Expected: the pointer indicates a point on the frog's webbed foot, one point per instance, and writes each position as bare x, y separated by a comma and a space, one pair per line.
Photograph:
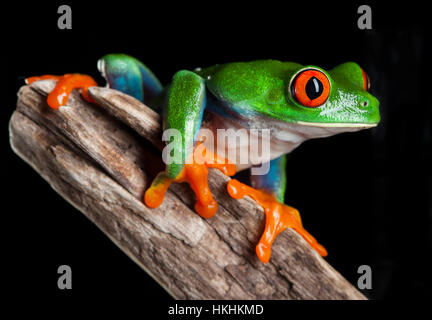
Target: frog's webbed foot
278, 217
65, 84
195, 173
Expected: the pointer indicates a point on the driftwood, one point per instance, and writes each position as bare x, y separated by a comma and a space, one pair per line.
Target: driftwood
102, 167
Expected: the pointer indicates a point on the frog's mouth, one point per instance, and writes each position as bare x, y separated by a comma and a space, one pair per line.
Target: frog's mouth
337, 125
301, 130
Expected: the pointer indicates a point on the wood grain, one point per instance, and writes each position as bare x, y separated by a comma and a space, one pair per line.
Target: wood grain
102, 158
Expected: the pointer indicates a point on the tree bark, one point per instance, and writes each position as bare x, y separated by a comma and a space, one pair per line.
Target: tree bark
102, 158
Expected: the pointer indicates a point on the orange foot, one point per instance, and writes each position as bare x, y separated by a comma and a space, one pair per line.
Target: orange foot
195, 174
278, 218
65, 84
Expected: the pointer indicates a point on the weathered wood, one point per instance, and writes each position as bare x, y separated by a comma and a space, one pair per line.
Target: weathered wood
102, 167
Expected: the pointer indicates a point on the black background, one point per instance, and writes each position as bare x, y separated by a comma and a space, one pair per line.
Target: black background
366, 196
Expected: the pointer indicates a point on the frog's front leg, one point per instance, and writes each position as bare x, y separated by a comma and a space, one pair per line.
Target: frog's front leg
183, 110
268, 191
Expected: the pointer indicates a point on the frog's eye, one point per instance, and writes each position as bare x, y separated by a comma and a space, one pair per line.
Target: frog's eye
310, 88
366, 81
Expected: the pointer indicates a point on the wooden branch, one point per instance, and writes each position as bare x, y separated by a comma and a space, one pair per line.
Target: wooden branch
102, 167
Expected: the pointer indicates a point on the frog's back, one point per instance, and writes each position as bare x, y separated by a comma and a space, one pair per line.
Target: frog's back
243, 81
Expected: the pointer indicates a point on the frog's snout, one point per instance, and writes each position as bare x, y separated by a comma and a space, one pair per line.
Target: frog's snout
370, 104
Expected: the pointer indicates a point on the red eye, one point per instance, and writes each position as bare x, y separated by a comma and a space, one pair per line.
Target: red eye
310, 88
366, 81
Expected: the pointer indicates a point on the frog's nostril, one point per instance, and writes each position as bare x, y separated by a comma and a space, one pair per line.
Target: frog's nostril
364, 103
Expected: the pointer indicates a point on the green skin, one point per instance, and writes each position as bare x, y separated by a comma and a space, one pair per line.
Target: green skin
263, 87
248, 91
257, 95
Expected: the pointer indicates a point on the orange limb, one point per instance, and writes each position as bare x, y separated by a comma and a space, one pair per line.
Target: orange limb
154, 195
278, 217
65, 84
195, 173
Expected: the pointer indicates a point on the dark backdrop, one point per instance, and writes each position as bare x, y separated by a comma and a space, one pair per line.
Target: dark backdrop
372, 203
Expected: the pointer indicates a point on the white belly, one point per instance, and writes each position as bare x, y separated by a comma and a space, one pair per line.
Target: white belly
245, 147
266, 139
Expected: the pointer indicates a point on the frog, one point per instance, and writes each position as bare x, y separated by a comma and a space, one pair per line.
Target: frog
293, 102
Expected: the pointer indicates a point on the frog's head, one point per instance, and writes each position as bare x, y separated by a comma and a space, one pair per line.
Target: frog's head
319, 103
338, 98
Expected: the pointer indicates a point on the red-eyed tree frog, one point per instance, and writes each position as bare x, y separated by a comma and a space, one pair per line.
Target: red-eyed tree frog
293, 102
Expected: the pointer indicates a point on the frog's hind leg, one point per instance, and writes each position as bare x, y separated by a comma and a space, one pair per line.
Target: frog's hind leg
130, 76
65, 84
121, 71
268, 191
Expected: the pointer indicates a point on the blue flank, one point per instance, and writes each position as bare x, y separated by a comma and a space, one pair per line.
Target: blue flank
152, 86
199, 119
274, 181
128, 83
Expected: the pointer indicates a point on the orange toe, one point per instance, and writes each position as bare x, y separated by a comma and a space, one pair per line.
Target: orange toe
154, 195
278, 217
65, 84
197, 177
195, 173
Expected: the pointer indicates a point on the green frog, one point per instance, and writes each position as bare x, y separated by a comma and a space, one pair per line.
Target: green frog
292, 102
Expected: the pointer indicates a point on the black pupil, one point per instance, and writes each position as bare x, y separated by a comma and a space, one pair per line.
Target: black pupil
314, 88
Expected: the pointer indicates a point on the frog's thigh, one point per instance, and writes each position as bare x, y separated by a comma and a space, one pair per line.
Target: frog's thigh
130, 76
274, 182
